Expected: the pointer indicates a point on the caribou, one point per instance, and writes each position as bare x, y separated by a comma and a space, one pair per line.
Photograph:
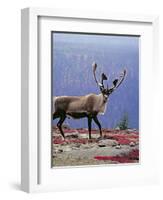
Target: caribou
89, 106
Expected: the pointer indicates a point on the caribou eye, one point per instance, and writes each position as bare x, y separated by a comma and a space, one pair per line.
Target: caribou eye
115, 82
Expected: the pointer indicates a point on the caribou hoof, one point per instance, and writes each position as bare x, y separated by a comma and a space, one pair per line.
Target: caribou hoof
63, 138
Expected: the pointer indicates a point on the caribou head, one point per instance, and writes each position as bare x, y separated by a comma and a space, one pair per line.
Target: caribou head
106, 91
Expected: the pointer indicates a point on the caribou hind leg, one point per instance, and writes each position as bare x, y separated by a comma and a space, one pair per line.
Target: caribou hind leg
59, 124
55, 115
89, 126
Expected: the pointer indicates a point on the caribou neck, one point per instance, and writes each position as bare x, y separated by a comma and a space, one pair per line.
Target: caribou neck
104, 97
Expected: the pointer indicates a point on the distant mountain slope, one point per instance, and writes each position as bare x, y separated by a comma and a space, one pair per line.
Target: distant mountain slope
73, 55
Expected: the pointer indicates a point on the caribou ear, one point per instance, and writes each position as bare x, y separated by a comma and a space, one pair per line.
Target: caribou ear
115, 82
103, 76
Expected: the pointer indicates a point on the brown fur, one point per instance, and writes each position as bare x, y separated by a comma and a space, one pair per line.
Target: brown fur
75, 105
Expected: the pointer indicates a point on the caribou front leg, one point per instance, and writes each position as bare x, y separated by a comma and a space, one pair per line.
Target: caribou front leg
98, 124
89, 125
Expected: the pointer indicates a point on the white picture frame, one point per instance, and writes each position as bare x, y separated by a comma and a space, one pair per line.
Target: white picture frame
36, 171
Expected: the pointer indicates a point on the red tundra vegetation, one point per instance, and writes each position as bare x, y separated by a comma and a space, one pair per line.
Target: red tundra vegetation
130, 158
117, 146
119, 136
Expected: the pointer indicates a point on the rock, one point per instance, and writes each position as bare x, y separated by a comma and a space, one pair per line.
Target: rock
135, 130
77, 145
57, 151
132, 144
118, 146
102, 145
72, 135
132, 130
117, 128
67, 148
107, 142
83, 135
88, 146
60, 150
75, 148
85, 146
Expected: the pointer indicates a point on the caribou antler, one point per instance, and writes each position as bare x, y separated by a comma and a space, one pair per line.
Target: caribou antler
117, 82
94, 65
122, 76
103, 76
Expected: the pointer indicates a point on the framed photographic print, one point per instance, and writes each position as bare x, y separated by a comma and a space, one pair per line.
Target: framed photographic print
87, 90
118, 132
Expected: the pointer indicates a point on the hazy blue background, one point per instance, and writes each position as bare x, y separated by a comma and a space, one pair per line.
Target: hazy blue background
73, 55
